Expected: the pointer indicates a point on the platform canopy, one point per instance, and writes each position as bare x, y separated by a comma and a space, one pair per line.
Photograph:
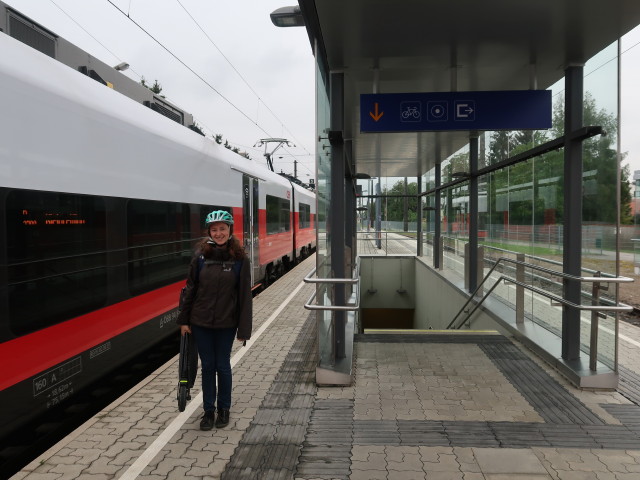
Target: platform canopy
392, 46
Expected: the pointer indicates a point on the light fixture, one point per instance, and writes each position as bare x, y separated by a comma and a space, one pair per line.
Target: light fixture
122, 66
287, 17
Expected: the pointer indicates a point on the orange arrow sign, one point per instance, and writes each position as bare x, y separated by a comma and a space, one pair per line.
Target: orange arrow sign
377, 116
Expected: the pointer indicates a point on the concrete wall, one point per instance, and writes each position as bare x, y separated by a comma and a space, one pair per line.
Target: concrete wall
438, 300
435, 299
381, 278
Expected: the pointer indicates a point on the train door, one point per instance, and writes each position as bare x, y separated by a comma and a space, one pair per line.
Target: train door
250, 190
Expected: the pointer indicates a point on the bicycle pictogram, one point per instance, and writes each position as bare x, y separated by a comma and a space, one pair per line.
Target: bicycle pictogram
410, 111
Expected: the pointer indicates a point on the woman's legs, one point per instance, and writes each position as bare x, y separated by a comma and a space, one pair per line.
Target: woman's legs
214, 347
204, 339
223, 343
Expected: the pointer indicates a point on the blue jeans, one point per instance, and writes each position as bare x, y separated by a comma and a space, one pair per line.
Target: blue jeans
214, 348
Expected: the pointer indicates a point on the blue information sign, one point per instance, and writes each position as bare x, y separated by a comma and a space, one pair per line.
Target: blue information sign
423, 112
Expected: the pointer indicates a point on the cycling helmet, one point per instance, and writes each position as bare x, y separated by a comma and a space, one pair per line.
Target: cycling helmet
219, 216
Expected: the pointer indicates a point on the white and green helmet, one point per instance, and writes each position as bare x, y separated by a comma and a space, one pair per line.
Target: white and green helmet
218, 216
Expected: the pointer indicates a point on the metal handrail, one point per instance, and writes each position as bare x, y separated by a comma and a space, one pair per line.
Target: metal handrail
547, 260
377, 237
355, 280
593, 349
625, 308
308, 278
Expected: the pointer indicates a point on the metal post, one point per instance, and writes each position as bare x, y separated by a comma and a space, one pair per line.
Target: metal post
480, 268
419, 246
595, 316
351, 219
378, 216
520, 290
572, 245
467, 268
405, 207
473, 213
437, 234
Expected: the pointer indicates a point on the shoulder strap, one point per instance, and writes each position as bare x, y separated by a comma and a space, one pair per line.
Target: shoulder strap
237, 266
199, 266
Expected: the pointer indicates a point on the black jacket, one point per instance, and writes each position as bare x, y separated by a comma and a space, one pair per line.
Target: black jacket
218, 298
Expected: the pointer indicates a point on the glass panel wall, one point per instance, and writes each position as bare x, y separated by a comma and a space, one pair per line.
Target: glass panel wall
600, 192
323, 172
521, 207
324, 294
387, 225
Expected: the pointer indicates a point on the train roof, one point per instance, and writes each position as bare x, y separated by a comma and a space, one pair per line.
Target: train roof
59, 106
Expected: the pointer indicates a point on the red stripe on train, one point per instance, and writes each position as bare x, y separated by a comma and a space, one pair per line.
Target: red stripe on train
31, 354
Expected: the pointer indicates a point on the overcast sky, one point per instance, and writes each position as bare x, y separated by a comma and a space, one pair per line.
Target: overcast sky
264, 73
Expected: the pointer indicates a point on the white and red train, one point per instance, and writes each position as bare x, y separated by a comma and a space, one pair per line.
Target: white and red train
101, 203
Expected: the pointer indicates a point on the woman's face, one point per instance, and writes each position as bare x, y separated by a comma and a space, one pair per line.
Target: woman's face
219, 232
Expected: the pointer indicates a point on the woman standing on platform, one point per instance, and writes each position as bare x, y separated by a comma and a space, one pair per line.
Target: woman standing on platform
217, 307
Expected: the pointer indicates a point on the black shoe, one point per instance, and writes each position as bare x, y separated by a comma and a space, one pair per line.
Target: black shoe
223, 418
207, 420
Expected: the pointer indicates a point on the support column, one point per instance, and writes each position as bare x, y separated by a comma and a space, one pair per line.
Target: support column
572, 242
419, 233
473, 213
438, 221
337, 219
351, 216
378, 215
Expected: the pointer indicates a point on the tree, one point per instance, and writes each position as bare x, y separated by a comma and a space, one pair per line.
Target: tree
499, 148
156, 88
196, 128
544, 203
395, 205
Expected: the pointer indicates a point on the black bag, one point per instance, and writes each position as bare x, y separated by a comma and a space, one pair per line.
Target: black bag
188, 359
187, 369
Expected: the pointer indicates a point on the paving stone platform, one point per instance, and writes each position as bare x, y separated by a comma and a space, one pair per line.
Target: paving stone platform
472, 406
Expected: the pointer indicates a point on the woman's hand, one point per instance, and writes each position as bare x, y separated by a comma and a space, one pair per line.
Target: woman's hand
185, 329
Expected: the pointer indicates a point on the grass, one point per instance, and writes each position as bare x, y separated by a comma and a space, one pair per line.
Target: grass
528, 249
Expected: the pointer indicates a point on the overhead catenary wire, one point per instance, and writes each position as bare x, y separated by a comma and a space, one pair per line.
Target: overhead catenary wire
233, 105
242, 78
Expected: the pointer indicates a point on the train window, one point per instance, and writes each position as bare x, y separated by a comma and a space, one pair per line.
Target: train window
278, 215
56, 259
304, 216
159, 244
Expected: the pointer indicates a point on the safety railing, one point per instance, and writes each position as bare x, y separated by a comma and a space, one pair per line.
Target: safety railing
335, 327
595, 308
386, 242
355, 280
